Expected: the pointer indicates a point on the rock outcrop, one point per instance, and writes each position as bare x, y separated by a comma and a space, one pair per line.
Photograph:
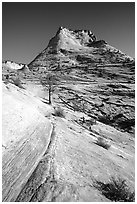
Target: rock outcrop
64, 48
26, 135
13, 65
78, 54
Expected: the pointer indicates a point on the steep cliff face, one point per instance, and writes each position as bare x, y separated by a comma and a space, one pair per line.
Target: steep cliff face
67, 45
68, 39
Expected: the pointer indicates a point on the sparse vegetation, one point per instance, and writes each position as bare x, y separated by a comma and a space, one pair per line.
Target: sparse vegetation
116, 190
101, 142
59, 112
50, 81
87, 122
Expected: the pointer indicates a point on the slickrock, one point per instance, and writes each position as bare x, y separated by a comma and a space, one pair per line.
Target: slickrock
26, 136
67, 171
57, 152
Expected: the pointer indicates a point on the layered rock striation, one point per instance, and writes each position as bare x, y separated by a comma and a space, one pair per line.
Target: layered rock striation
67, 45
58, 152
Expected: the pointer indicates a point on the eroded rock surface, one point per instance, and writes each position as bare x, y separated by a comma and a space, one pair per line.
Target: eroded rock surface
26, 135
58, 159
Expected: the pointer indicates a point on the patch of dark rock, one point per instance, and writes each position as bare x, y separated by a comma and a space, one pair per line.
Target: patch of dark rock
114, 85
97, 44
117, 86
129, 93
106, 119
84, 59
126, 125
53, 52
65, 52
113, 75
104, 99
119, 121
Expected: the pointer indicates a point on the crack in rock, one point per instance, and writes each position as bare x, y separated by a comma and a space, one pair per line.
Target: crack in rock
42, 172
43, 185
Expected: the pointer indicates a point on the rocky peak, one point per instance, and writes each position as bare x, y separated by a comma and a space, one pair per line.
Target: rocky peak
67, 38
81, 34
77, 47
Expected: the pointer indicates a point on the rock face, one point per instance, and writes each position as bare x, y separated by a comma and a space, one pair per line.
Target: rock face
58, 156
26, 135
68, 39
79, 54
14, 65
65, 47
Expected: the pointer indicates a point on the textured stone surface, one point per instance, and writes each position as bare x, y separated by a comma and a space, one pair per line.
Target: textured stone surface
26, 135
67, 45
97, 94
72, 163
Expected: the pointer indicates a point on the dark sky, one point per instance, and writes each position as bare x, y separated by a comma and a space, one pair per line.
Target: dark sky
28, 27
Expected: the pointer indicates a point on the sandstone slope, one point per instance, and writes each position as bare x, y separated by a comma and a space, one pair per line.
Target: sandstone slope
26, 135
96, 93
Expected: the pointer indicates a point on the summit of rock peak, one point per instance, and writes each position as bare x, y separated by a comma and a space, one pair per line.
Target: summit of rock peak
66, 38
